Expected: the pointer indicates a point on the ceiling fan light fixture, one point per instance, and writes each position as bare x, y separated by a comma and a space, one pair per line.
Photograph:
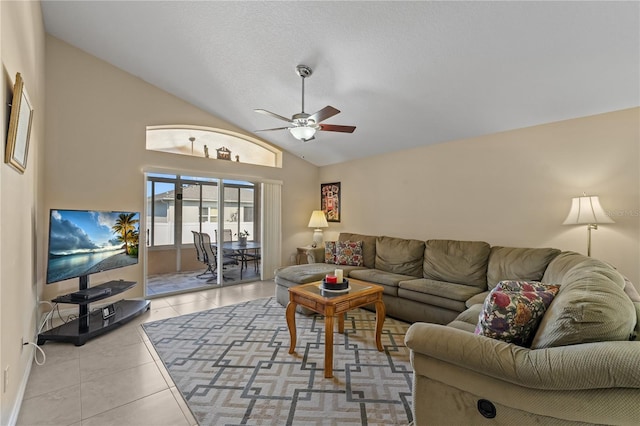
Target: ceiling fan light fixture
303, 133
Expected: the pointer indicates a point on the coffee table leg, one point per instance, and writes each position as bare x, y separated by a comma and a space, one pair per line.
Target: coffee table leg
341, 323
328, 345
291, 324
380, 315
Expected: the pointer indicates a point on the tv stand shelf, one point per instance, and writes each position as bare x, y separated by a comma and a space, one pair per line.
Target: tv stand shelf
117, 286
91, 324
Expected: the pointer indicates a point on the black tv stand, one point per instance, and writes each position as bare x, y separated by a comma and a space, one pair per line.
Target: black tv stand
91, 324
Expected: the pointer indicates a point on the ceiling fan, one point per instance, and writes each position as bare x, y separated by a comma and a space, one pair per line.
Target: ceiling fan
304, 126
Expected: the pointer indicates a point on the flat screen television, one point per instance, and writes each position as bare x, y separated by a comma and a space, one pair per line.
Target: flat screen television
85, 242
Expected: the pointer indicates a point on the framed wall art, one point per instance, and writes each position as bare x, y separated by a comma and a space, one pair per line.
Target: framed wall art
330, 201
20, 119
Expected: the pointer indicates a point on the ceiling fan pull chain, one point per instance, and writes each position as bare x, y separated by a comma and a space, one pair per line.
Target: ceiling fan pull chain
302, 77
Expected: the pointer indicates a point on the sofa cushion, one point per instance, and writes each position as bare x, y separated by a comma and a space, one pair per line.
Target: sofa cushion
468, 319
349, 253
399, 256
461, 262
560, 265
452, 291
368, 247
388, 280
630, 290
515, 263
591, 306
512, 313
302, 274
478, 298
431, 301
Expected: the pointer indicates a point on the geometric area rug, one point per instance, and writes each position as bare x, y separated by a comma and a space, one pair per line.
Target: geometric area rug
232, 366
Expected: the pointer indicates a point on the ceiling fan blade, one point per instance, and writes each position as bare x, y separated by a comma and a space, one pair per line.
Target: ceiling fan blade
323, 114
337, 128
273, 114
268, 130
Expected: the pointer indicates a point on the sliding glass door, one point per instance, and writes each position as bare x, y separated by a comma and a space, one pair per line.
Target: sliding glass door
176, 205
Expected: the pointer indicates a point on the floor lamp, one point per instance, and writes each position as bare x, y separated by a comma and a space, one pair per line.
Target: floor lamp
586, 210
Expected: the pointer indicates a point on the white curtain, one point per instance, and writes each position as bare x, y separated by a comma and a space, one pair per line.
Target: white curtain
271, 228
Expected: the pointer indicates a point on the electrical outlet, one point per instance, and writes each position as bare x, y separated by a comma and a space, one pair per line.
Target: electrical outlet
5, 381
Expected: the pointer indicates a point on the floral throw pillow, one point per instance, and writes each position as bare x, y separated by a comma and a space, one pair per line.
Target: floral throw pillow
330, 252
349, 253
513, 310
509, 285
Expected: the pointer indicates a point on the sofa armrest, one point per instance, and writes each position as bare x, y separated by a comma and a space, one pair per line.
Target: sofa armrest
315, 255
582, 366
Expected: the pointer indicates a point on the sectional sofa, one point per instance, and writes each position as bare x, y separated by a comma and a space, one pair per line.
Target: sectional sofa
580, 365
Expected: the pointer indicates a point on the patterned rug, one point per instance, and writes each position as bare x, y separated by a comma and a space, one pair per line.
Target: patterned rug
232, 366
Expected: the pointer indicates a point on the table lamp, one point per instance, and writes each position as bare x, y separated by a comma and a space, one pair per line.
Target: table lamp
587, 210
318, 220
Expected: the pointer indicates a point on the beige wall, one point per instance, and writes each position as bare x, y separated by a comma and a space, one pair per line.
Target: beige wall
22, 50
95, 151
512, 188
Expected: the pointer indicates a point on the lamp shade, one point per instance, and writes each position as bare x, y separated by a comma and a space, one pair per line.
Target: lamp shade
318, 220
586, 210
303, 133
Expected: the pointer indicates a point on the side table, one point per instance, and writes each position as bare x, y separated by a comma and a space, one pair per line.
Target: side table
302, 255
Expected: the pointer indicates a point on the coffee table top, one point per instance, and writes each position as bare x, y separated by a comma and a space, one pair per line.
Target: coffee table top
357, 288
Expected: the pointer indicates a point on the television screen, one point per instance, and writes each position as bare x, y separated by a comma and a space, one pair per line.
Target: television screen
84, 242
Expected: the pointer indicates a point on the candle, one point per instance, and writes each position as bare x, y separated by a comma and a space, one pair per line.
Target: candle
339, 275
331, 279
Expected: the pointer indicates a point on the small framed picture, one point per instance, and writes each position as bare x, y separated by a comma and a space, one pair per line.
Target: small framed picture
330, 201
19, 127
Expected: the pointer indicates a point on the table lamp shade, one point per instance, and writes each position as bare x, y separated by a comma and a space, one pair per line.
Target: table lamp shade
318, 220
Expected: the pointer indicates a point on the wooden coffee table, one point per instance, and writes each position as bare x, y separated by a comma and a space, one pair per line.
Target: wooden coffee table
311, 296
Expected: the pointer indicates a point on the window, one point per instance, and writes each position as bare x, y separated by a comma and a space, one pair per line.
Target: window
173, 213
160, 211
212, 143
208, 214
248, 213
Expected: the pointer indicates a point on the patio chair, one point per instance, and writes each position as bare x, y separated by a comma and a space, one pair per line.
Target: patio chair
201, 255
211, 253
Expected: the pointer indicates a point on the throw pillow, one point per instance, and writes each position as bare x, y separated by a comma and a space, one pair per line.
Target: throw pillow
511, 285
349, 253
512, 311
330, 252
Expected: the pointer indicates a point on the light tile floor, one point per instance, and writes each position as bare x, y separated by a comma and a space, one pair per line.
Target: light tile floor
118, 379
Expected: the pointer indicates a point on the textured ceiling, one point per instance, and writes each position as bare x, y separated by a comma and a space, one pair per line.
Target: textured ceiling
405, 73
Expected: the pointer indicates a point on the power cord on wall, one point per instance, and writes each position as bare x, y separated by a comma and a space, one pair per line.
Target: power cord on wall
35, 354
48, 318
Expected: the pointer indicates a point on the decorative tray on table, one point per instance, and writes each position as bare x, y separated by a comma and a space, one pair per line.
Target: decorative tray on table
342, 287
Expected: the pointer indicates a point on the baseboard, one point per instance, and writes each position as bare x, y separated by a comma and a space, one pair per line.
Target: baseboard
15, 410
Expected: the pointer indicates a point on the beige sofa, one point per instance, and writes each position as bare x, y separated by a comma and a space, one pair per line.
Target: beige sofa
581, 367
427, 281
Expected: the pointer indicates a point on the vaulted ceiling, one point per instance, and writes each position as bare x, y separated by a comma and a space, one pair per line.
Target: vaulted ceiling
405, 73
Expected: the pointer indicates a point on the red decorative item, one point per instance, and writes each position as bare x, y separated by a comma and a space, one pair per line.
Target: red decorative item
331, 279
